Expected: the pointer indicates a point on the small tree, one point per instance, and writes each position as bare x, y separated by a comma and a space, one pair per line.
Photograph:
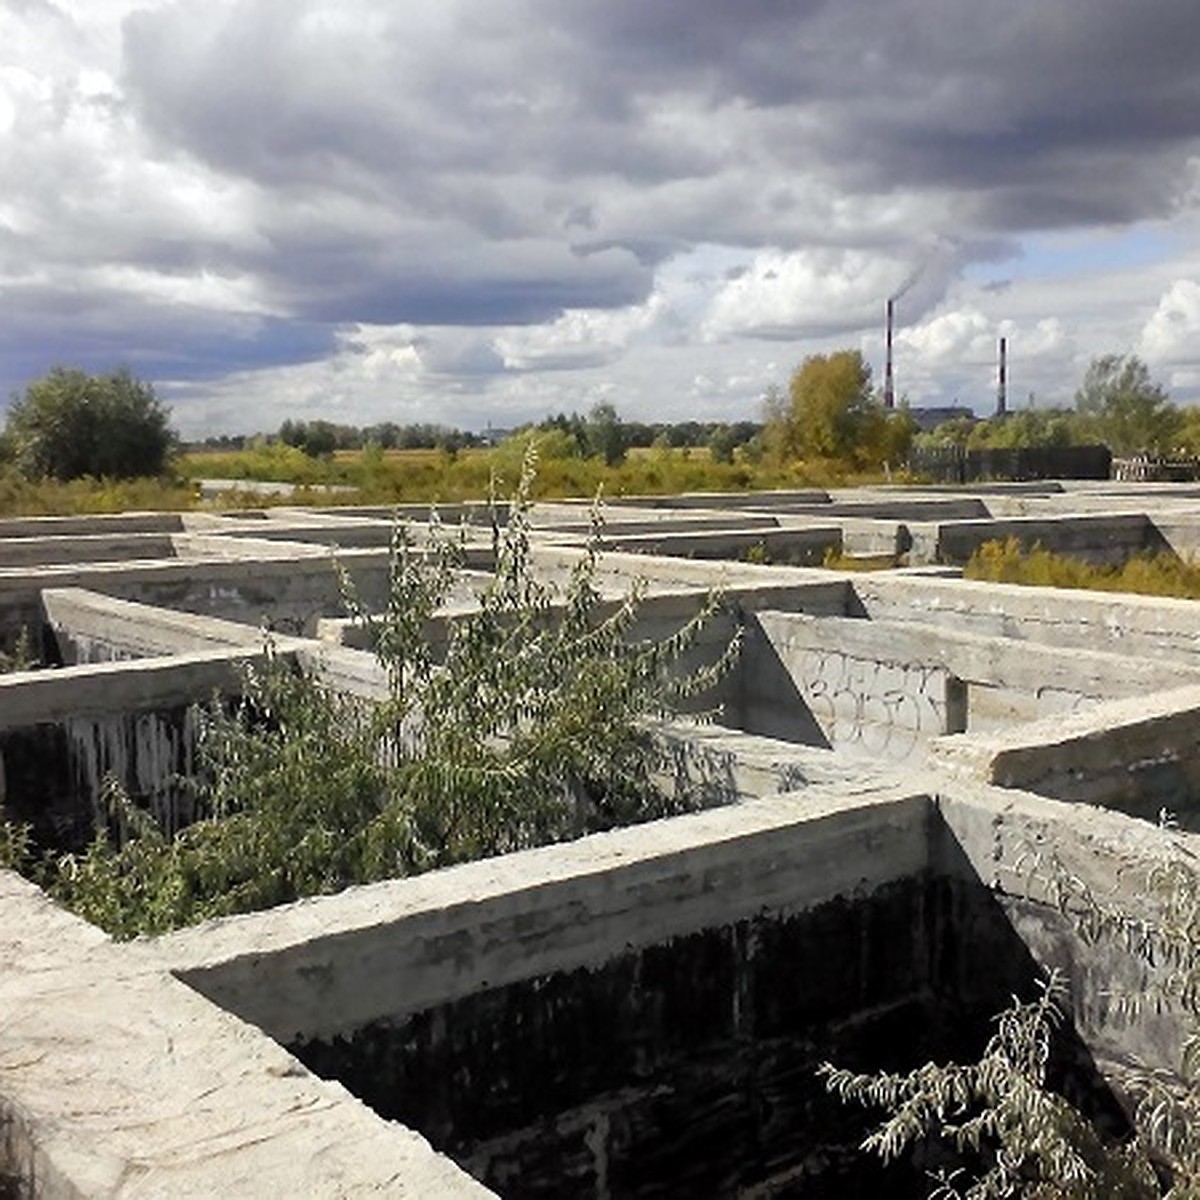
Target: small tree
70, 424
1126, 409
604, 435
831, 413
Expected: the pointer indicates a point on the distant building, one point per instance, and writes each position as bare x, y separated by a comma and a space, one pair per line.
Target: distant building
931, 418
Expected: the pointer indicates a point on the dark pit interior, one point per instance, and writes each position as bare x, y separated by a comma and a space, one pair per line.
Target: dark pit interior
688, 1069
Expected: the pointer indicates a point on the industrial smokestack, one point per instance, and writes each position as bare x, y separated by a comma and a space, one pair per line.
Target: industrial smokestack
889, 383
1002, 380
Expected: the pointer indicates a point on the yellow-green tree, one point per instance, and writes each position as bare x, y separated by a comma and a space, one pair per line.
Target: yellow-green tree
831, 413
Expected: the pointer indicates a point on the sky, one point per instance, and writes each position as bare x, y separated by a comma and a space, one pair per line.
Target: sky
483, 212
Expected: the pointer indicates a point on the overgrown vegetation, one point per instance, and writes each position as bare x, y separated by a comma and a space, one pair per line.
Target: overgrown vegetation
1151, 574
1117, 404
22, 656
70, 424
530, 728
1015, 1135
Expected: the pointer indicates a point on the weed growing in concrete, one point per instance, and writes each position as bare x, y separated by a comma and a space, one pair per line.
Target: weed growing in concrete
15, 850
22, 657
531, 728
1000, 1111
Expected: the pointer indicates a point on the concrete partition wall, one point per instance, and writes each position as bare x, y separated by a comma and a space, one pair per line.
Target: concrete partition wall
1030, 853
1140, 756
1150, 627
64, 733
117, 1080
36, 551
796, 546
1110, 538
883, 691
289, 593
324, 967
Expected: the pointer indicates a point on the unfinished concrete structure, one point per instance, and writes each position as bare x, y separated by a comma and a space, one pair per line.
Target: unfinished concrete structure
638, 1012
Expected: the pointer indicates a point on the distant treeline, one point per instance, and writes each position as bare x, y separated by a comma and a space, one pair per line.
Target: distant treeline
600, 433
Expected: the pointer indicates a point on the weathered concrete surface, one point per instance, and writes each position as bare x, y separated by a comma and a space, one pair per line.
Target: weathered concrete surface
91, 627
784, 499
888, 686
98, 523
94, 627
689, 1067
122, 1082
95, 689
297, 971
1138, 755
1063, 620
37, 550
1099, 538
792, 546
288, 590
1041, 857
880, 690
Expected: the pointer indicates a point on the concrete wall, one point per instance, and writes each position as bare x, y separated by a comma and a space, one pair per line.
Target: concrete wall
100, 523
106, 547
1042, 858
887, 686
120, 1081
1100, 538
844, 683
297, 971
1139, 756
1063, 620
689, 1067
793, 547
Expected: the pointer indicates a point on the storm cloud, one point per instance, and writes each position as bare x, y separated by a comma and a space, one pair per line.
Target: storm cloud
622, 191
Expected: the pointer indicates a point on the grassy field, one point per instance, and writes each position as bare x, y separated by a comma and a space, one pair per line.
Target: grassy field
375, 476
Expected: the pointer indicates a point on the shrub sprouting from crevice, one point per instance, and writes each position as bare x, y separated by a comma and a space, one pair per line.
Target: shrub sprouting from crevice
1014, 1134
532, 726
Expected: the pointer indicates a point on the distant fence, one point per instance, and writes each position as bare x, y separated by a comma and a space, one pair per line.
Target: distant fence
1150, 468
952, 464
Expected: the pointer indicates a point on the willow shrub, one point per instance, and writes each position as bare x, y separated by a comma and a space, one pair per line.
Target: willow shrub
1013, 1134
533, 727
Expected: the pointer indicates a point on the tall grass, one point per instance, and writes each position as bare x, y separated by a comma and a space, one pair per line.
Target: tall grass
419, 476
21, 497
1151, 574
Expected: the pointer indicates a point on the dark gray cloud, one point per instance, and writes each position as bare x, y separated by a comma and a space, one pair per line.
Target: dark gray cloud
520, 116
96, 330
316, 164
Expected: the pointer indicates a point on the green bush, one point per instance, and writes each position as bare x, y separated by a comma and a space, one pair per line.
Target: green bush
70, 424
1014, 1135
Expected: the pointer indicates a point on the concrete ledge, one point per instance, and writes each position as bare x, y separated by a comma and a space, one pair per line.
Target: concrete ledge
795, 546
90, 625
1036, 856
102, 689
1138, 755
1100, 537
1065, 619
122, 1082
97, 523
41, 550
319, 967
